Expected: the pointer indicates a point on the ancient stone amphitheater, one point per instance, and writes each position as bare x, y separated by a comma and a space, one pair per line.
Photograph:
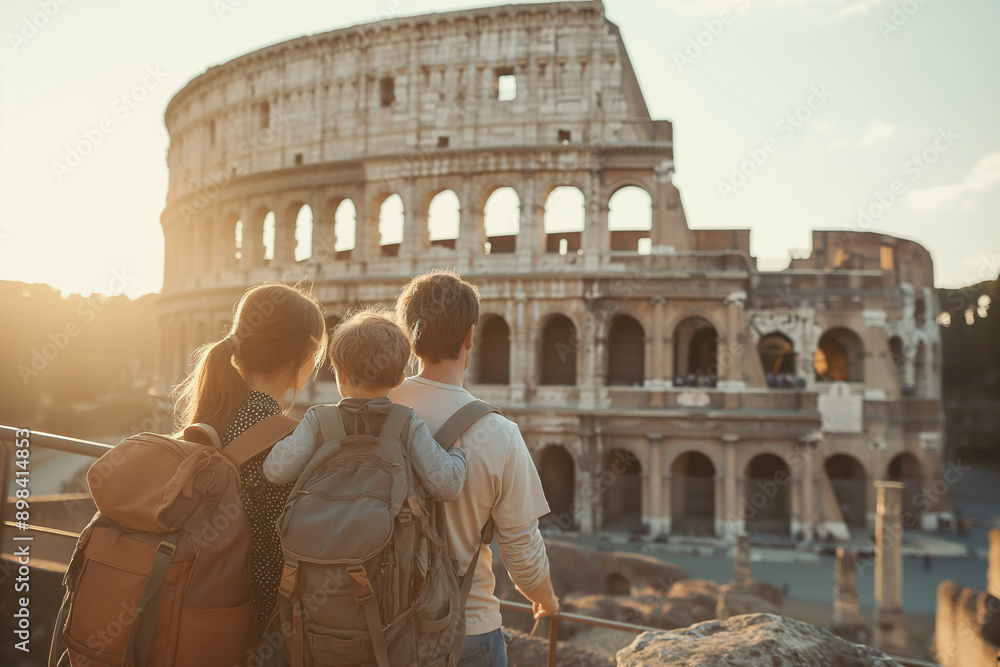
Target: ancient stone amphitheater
662, 382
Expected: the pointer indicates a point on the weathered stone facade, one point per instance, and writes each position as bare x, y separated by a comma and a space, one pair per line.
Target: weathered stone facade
661, 381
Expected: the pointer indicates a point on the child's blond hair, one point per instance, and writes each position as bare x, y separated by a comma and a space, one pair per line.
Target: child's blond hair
370, 348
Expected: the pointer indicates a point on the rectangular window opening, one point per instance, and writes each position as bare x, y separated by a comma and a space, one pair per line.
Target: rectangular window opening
564, 137
298, 158
887, 258
443, 142
387, 90
506, 84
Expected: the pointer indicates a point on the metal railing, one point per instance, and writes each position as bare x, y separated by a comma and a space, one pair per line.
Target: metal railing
40, 440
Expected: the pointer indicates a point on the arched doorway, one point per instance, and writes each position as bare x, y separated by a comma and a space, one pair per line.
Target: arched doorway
850, 487
840, 357
621, 482
556, 470
906, 468
626, 353
767, 497
692, 500
558, 358
494, 352
777, 356
696, 348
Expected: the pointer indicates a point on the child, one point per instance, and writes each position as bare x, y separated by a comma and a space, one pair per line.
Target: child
369, 352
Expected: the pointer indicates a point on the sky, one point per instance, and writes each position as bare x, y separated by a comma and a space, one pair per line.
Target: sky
789, 116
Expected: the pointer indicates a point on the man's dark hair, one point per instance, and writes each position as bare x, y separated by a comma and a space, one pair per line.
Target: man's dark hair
437, 309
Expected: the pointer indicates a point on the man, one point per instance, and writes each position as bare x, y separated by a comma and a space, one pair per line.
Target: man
441, 311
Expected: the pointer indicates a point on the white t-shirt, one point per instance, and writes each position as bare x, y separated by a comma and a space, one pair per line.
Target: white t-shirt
501, 481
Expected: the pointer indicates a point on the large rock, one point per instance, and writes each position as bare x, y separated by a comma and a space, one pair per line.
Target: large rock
750, 641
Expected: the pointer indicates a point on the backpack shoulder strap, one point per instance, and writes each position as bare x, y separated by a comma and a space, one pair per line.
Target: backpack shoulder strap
397, 423
465, 417
331, 424
259, 437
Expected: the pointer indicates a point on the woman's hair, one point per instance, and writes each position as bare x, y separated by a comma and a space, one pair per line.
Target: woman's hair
276, 329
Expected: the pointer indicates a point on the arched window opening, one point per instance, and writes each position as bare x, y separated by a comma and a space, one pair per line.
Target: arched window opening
692, 502
850, 488
268, 236
630, 219
345, 225
696, 345
494, 352
390, 226
502, 221
564, 219
443, 219
557, 473
626, 353
840, 357
304, 233
777, 356
238, 240
906, 468
622, 502
767, 496
559, 352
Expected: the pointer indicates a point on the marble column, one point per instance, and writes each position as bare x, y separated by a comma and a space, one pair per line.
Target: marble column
890, 622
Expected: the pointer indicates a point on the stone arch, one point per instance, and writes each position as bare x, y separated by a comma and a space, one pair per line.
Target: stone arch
304, 233
696, 349
557, 471
906, 468
564, 216
444, 214
558, 354
767, 496
840, 356
630, 219
850, 487
621, 482
626, 345
268, 235
777, 356
493, 351
692, 502
344, 227
501, 220
391, 225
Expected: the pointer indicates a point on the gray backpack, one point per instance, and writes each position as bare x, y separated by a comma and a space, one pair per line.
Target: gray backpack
367, 578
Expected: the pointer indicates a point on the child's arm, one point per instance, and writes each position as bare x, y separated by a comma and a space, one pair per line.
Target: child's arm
289, 457
441, 471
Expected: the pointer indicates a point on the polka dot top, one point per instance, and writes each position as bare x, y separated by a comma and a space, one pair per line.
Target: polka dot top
263, 502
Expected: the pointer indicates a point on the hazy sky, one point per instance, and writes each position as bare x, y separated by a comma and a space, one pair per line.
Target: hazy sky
845, 99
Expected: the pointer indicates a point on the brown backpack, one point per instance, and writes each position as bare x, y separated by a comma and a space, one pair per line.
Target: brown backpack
368, 579
161, 577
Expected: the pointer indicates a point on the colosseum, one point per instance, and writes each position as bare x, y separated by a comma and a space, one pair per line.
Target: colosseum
663, 383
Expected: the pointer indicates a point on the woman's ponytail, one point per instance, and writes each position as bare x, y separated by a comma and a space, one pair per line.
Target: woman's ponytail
276, 329
213, 393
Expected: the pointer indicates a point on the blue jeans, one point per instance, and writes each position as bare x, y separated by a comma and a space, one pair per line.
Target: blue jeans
487, 650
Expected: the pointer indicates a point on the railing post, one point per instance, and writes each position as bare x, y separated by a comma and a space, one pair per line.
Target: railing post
553, 639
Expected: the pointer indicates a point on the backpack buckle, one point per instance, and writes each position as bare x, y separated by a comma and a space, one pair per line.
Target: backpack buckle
405, 517
364, 592
289, 576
